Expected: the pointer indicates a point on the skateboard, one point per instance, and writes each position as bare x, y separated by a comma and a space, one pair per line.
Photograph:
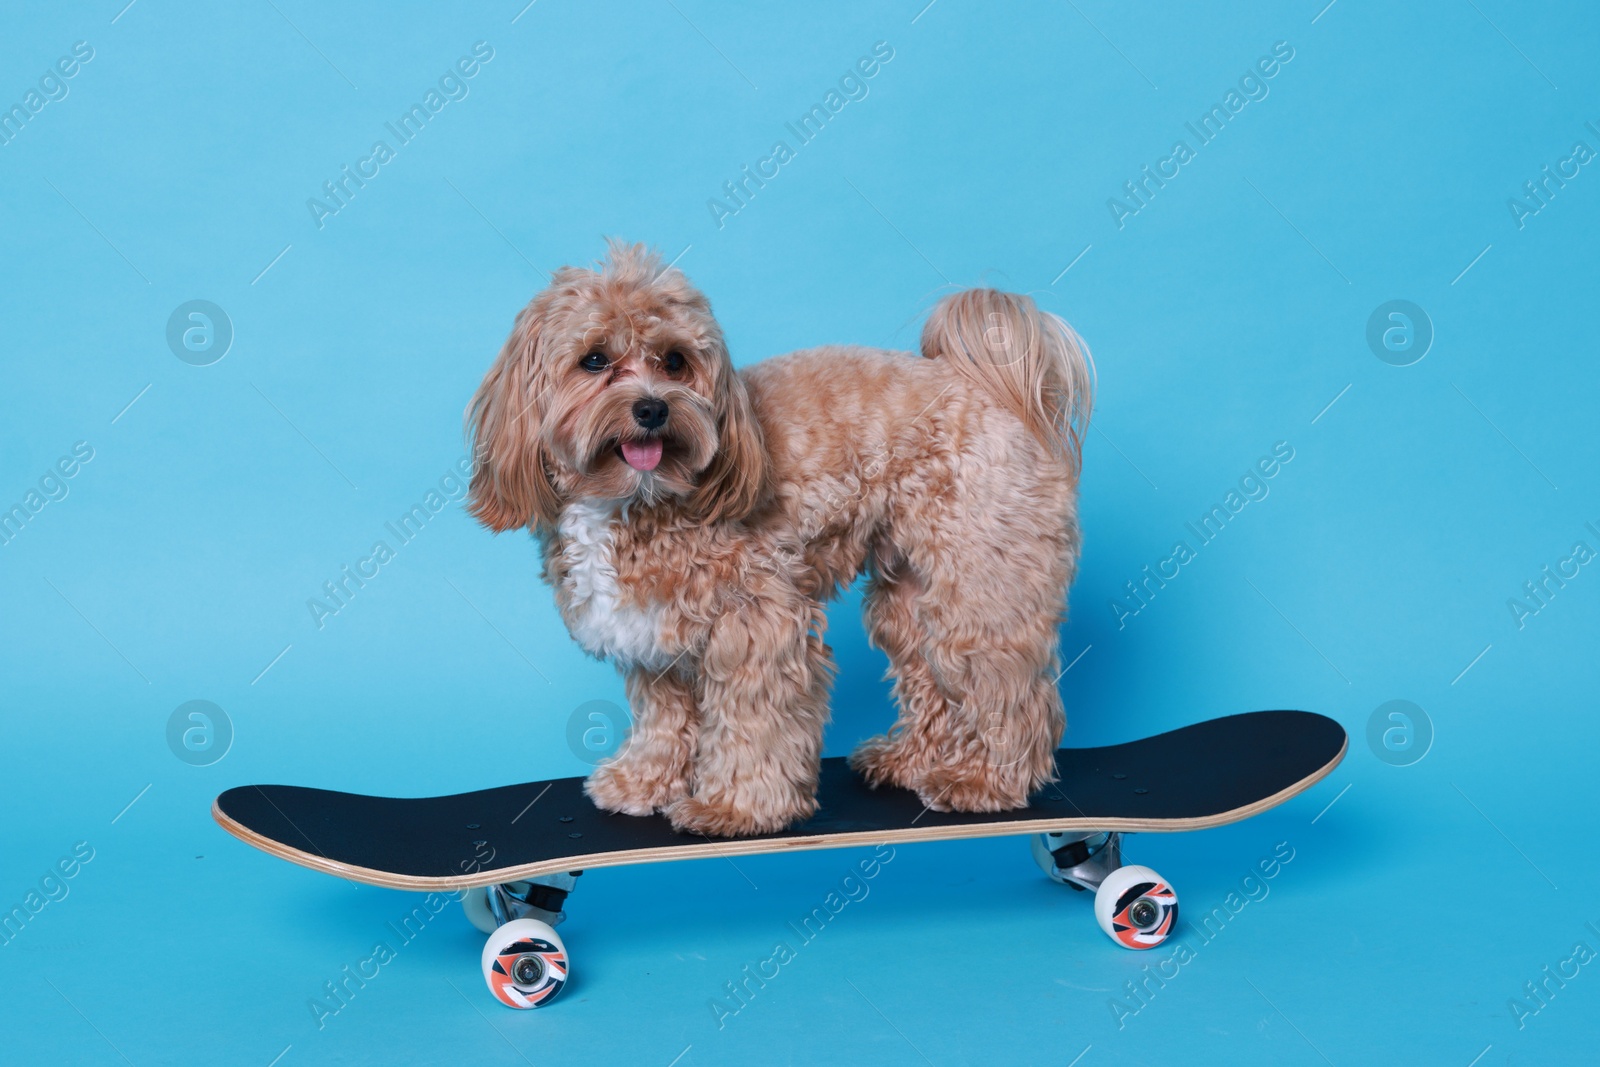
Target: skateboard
514, 853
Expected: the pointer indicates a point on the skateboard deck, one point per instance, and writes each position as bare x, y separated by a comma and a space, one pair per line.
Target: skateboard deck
1208, 774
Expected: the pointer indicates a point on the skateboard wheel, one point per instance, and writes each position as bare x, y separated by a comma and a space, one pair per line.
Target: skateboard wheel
475, 905
1136, 907
525, 964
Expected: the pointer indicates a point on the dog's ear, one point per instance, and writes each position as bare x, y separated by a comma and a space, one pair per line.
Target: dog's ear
511, 484
732, 485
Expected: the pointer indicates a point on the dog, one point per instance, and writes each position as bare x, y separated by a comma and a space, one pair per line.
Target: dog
694, 519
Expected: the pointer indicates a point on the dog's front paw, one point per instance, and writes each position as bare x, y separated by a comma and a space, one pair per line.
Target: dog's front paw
694, 815
621, 788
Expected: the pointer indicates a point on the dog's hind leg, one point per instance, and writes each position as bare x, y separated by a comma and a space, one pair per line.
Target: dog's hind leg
994, 556
992, 645
998, 740
904, 754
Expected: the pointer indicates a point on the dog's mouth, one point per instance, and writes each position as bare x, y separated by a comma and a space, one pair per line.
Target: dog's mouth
642, 455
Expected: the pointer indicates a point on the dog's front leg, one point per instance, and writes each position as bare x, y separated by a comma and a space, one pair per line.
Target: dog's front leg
653, 767
763, 704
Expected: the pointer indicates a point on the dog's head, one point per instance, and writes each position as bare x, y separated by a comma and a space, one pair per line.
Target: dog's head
615, 384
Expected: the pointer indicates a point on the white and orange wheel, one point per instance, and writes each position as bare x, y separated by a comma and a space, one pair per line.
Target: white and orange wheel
475, 905
1136, 907
525, 964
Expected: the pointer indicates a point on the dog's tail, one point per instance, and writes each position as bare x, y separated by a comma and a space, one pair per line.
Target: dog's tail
1029, 360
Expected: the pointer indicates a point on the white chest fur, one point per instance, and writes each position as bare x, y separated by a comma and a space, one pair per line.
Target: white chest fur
593, 612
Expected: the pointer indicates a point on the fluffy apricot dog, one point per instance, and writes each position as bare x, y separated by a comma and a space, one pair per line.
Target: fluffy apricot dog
694, 519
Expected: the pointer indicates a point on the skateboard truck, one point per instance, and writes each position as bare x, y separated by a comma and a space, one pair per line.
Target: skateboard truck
542, 898
1078, 860
1134, 905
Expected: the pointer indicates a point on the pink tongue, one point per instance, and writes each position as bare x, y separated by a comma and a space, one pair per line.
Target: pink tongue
642, 455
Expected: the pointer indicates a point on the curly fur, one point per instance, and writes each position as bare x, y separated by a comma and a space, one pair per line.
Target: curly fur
951, 480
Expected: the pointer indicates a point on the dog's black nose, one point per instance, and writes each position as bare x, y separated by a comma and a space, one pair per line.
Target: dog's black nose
650, 414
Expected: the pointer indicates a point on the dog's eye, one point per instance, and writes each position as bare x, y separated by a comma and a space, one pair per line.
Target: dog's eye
594, 362
673, 362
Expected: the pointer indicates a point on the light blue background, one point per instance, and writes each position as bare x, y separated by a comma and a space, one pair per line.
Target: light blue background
1225, 316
